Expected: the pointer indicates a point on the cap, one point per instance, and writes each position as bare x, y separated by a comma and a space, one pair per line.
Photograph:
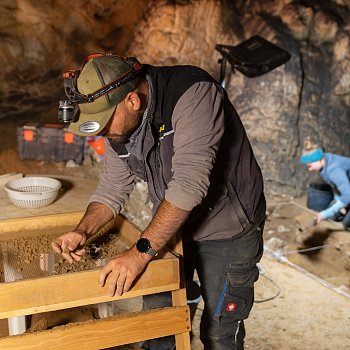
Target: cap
96, 73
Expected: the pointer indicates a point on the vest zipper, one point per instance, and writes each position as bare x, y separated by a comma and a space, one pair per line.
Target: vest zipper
154, 185
154, 173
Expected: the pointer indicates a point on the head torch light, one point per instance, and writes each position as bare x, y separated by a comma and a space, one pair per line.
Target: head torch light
67, 109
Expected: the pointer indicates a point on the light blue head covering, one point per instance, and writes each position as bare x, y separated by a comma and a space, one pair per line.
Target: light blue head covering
311, 157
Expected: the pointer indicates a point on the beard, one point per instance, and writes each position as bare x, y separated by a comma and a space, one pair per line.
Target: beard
134, 122
119, 138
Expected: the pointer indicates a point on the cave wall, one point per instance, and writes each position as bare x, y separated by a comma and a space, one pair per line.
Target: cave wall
42, 39
309, 95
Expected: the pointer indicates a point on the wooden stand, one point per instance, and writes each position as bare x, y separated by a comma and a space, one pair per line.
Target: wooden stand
31, 296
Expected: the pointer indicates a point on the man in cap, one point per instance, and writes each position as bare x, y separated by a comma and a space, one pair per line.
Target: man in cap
175, 128
335, 171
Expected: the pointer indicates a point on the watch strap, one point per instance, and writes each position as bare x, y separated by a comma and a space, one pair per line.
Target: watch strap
152, 252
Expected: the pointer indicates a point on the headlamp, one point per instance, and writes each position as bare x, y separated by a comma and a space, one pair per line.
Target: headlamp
67, 109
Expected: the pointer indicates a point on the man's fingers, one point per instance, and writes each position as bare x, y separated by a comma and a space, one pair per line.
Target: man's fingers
65, 250
68, 257
121, 273
75, 256
116, 281
74, 242
56, 247
113, 284
70, 245
120, 285
103, 275
127, 285
80, 252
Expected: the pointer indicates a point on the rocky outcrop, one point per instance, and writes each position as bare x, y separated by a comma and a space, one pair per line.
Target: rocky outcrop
309, 95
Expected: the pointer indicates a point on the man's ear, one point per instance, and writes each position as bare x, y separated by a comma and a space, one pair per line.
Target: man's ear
133, 101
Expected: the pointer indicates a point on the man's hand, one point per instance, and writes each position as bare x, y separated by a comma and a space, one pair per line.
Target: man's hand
70, 245
124, 268
122, 271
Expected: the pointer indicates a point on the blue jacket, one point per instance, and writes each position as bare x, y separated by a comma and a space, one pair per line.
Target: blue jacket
337, 173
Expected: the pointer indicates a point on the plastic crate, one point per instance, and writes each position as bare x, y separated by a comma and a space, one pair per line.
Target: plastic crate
50, 142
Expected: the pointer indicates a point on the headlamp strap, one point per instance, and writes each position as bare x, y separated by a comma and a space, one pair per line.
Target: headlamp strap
71, 76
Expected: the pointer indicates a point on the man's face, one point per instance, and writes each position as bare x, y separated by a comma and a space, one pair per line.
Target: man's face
122, 124
315, 166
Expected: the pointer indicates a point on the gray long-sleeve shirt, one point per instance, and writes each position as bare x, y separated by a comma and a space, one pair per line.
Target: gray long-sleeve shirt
198, 126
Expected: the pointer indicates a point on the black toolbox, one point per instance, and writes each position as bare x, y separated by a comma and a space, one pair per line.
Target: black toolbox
50, 142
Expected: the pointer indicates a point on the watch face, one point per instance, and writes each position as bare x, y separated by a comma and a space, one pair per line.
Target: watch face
143, 245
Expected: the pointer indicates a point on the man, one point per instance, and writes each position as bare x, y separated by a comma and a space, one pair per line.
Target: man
335, 171
175, 128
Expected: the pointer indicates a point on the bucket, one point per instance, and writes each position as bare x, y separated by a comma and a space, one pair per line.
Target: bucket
319, 196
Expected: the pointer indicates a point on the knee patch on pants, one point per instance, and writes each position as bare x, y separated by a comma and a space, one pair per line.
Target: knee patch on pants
237, 296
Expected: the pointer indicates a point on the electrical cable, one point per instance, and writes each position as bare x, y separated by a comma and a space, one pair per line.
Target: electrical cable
262, 273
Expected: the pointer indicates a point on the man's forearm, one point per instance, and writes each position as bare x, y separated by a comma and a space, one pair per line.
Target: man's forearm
96, 216
165, 223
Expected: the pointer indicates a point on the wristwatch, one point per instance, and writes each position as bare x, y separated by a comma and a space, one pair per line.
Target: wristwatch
143, 245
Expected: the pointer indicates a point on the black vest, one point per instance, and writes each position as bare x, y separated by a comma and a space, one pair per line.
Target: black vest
236, 189
169, 84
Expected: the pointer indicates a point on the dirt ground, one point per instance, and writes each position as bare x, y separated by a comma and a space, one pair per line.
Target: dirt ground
302, 296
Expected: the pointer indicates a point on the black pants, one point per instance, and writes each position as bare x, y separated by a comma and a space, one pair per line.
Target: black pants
227, 271
345, 219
